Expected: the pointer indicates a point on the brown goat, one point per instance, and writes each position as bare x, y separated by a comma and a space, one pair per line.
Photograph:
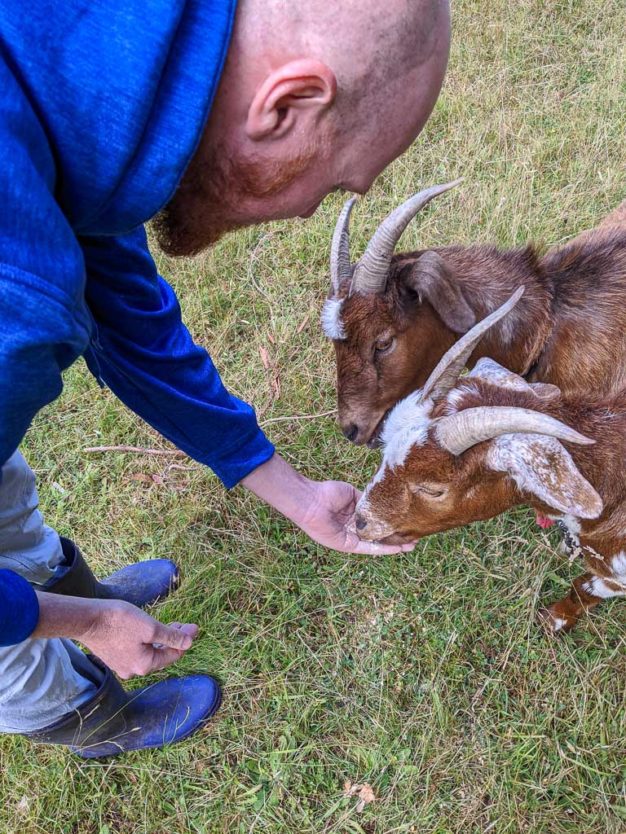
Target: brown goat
463, 450
392, 317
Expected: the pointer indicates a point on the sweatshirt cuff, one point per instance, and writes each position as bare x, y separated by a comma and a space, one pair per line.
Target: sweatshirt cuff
236, 462
19, 608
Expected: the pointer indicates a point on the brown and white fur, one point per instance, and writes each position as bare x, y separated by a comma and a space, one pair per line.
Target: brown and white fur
422, 488
569, 329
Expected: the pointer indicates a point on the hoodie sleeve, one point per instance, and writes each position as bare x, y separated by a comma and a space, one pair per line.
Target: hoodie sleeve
145, 354
44, 324
19, 608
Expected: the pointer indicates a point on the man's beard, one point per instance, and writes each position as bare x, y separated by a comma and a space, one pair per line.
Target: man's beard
205, 204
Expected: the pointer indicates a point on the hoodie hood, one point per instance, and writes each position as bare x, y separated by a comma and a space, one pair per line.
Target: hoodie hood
123, 91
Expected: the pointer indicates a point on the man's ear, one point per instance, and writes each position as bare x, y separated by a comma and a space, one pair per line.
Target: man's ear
433, 280
285, 94
542, 466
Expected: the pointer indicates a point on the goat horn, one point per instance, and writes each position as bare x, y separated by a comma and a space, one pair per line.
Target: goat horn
461, 431
370, 274
340, 269
446, 373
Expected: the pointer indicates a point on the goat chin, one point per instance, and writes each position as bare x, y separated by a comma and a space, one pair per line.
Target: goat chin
396, 538
375, 441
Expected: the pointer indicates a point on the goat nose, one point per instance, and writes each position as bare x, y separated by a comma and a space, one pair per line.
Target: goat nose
351, 431
361, 523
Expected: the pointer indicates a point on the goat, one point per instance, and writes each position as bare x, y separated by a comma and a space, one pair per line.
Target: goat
392, 317
463, 450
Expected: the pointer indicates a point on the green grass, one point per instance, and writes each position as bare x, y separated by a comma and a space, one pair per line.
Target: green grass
423, 675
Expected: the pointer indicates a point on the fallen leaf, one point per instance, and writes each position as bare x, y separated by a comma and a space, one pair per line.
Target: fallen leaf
23, 806
141, 477
265, 358
363, 791
303, 323
275, 376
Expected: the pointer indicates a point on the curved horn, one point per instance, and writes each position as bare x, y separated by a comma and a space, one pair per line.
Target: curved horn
370, 274
446, 373
340, 269
461, 431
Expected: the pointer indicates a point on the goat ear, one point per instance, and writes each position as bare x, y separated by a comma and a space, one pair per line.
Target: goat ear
542, 466
432, 279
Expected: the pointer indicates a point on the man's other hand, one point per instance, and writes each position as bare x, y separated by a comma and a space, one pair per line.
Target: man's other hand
125, 638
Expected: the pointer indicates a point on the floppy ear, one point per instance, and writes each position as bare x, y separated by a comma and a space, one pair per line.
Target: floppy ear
433, 280
542, 466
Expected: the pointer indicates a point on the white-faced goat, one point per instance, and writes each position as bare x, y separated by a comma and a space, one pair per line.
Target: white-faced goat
392, 317
464, 449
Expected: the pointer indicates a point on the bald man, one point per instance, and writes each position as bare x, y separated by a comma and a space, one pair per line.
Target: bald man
208, 117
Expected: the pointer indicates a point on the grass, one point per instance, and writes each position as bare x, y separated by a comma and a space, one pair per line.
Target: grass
423, 675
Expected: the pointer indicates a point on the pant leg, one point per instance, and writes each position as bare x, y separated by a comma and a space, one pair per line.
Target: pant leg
40, 680
27, 545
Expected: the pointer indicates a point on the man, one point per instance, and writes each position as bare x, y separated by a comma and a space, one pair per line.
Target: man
210, 117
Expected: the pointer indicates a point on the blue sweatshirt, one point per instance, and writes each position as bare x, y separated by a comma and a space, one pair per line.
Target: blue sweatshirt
102, 104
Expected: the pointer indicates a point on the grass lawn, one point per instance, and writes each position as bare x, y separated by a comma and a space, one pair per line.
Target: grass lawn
423, 675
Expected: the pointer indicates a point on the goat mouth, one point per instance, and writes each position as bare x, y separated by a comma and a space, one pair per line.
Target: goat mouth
396, 538
374, 441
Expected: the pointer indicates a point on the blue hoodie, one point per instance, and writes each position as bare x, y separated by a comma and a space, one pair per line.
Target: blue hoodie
102, 104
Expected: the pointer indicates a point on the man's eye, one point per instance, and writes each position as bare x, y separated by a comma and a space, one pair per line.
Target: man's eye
384, 345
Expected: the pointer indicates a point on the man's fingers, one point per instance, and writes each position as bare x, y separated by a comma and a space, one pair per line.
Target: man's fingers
189, 628
164, 657
173, 637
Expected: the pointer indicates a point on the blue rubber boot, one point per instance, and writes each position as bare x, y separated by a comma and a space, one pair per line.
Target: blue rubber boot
141, 584
115, 721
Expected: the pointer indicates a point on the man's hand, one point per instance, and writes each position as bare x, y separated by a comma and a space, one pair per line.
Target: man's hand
126, 639
323, 509
330, 521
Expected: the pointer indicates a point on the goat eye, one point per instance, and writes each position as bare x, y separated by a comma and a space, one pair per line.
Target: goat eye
433, 492
383, 346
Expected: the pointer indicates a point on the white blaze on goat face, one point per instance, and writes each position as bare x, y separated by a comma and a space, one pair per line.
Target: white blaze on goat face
407, 426
332, 325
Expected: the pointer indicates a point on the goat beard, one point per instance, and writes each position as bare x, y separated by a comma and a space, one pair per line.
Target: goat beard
205, 206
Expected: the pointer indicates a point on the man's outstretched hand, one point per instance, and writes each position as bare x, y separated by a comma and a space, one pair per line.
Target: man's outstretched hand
323, 509
329, 520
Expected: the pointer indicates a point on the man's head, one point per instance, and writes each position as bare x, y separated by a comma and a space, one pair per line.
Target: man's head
315, 97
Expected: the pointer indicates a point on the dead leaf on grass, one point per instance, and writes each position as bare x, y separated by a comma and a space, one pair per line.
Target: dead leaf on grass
363, 791
271, 366
23, 806
303, 323
145, 478
265, 358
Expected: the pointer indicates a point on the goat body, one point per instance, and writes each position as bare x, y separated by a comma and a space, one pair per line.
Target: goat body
464, 450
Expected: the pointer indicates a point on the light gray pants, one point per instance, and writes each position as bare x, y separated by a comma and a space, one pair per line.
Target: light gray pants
40, 681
